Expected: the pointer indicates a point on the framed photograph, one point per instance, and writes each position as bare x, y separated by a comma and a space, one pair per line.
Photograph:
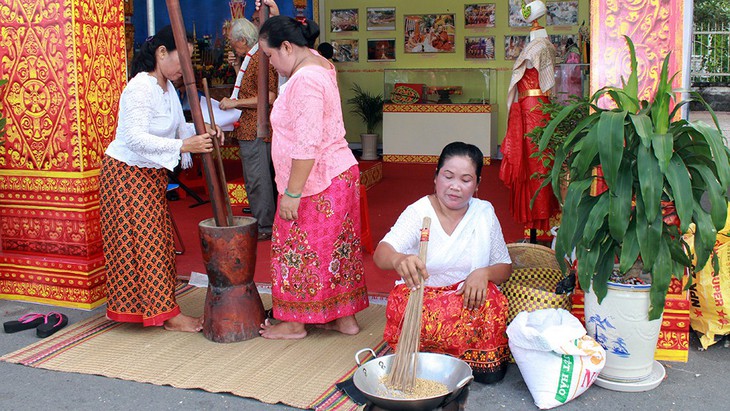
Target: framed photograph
515, 14
479, 15
344, 20
381, 49
565, 44
513, 46
479, 48
381, 18
562, 13
429, 33
345, 50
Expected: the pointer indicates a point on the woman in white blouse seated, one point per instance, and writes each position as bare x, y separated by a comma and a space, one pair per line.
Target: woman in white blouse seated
151, 137
464, 313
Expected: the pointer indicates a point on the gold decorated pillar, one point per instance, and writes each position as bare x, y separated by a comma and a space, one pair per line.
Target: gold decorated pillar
656, 28
65, 65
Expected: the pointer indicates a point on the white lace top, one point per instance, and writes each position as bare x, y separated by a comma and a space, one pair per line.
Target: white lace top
151, 125
476, 242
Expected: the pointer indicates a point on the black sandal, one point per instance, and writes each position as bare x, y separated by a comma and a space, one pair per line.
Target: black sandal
26, 322
53, 322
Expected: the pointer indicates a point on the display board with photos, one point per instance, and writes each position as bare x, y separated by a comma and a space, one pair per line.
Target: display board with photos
562, 13
381, 50
480, 15
429, 33
345, 50
479, 48
344, 20
381, 18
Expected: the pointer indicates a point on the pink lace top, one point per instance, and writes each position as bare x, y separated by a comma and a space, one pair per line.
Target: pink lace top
307, 123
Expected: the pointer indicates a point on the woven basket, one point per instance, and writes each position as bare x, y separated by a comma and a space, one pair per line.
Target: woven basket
535, 273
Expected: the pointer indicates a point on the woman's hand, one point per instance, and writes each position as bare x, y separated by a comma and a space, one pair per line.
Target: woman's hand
408, 267
200, 143
226, 103
218, 132
273, 8
475, 288
289, 208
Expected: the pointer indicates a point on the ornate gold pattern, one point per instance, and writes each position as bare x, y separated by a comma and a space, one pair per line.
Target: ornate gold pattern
370, 176
655, 27
66, 63
437, 108
419, 158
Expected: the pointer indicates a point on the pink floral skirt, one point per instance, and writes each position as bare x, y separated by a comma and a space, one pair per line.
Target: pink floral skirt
316, 260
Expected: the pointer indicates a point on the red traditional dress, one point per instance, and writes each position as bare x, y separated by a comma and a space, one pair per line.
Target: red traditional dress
316, 260
476, 336
528, 89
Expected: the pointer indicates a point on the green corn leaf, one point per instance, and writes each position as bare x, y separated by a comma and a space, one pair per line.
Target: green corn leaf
678, 178
629, 248
719, 152
715, 193
610, 149
620, 202
564, 243
705, 235
604, 269
663, 145
649, 234
586, 157
650, 182
661, 275
643, 126
596, 219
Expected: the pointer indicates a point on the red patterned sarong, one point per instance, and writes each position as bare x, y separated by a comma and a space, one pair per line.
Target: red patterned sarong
478, 337
138, 244
316, 260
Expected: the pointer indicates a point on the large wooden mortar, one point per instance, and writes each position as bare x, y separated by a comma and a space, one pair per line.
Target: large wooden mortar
233, 307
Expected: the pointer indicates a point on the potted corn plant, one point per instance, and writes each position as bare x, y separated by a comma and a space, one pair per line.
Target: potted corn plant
637, 174
369, 107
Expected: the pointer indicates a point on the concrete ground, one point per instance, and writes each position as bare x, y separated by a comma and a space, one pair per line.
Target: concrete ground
702, 382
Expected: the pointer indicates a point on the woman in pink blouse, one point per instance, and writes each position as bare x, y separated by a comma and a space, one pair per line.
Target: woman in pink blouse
316, 256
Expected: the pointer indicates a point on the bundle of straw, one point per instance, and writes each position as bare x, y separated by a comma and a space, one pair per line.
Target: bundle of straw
405, 361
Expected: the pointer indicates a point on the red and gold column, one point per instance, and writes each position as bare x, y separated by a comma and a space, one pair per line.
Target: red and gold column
65, 62
656, 28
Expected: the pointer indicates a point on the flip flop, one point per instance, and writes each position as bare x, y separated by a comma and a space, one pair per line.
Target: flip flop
53, 322
26, 322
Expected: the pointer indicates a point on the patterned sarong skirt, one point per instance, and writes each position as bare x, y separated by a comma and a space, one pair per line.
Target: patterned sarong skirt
138, 244
479, 337
316, 260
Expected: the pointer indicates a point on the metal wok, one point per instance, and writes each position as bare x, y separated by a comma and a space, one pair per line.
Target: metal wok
450, 371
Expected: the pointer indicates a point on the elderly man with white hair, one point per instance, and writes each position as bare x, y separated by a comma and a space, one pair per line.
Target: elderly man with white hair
255, 152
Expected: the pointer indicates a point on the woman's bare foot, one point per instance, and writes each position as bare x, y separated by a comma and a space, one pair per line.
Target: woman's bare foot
186, 323
346, 325
282, 330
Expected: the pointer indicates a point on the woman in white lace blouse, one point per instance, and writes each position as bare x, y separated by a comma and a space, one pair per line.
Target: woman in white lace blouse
464, 312
151, 137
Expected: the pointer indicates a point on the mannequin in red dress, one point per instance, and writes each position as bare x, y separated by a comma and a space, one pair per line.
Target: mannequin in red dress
533, 77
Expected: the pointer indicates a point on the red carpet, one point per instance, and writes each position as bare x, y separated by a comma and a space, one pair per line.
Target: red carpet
402, 184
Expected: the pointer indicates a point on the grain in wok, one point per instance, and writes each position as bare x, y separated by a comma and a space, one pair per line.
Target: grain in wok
422, 388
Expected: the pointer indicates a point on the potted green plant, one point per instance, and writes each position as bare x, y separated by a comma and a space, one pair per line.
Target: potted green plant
637, 174
369, 107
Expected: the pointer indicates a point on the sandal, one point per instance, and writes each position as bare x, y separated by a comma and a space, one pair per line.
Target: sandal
26, 322
53, 322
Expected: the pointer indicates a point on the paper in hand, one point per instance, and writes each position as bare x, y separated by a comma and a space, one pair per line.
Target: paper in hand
223, 118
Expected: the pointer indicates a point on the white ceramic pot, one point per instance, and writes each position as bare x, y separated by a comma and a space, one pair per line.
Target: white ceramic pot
369, 146
621, 325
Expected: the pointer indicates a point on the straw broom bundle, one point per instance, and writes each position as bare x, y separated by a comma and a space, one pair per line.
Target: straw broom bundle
405, 361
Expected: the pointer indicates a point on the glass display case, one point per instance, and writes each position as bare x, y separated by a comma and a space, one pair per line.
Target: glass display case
571, 79
439, 86
425, 109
